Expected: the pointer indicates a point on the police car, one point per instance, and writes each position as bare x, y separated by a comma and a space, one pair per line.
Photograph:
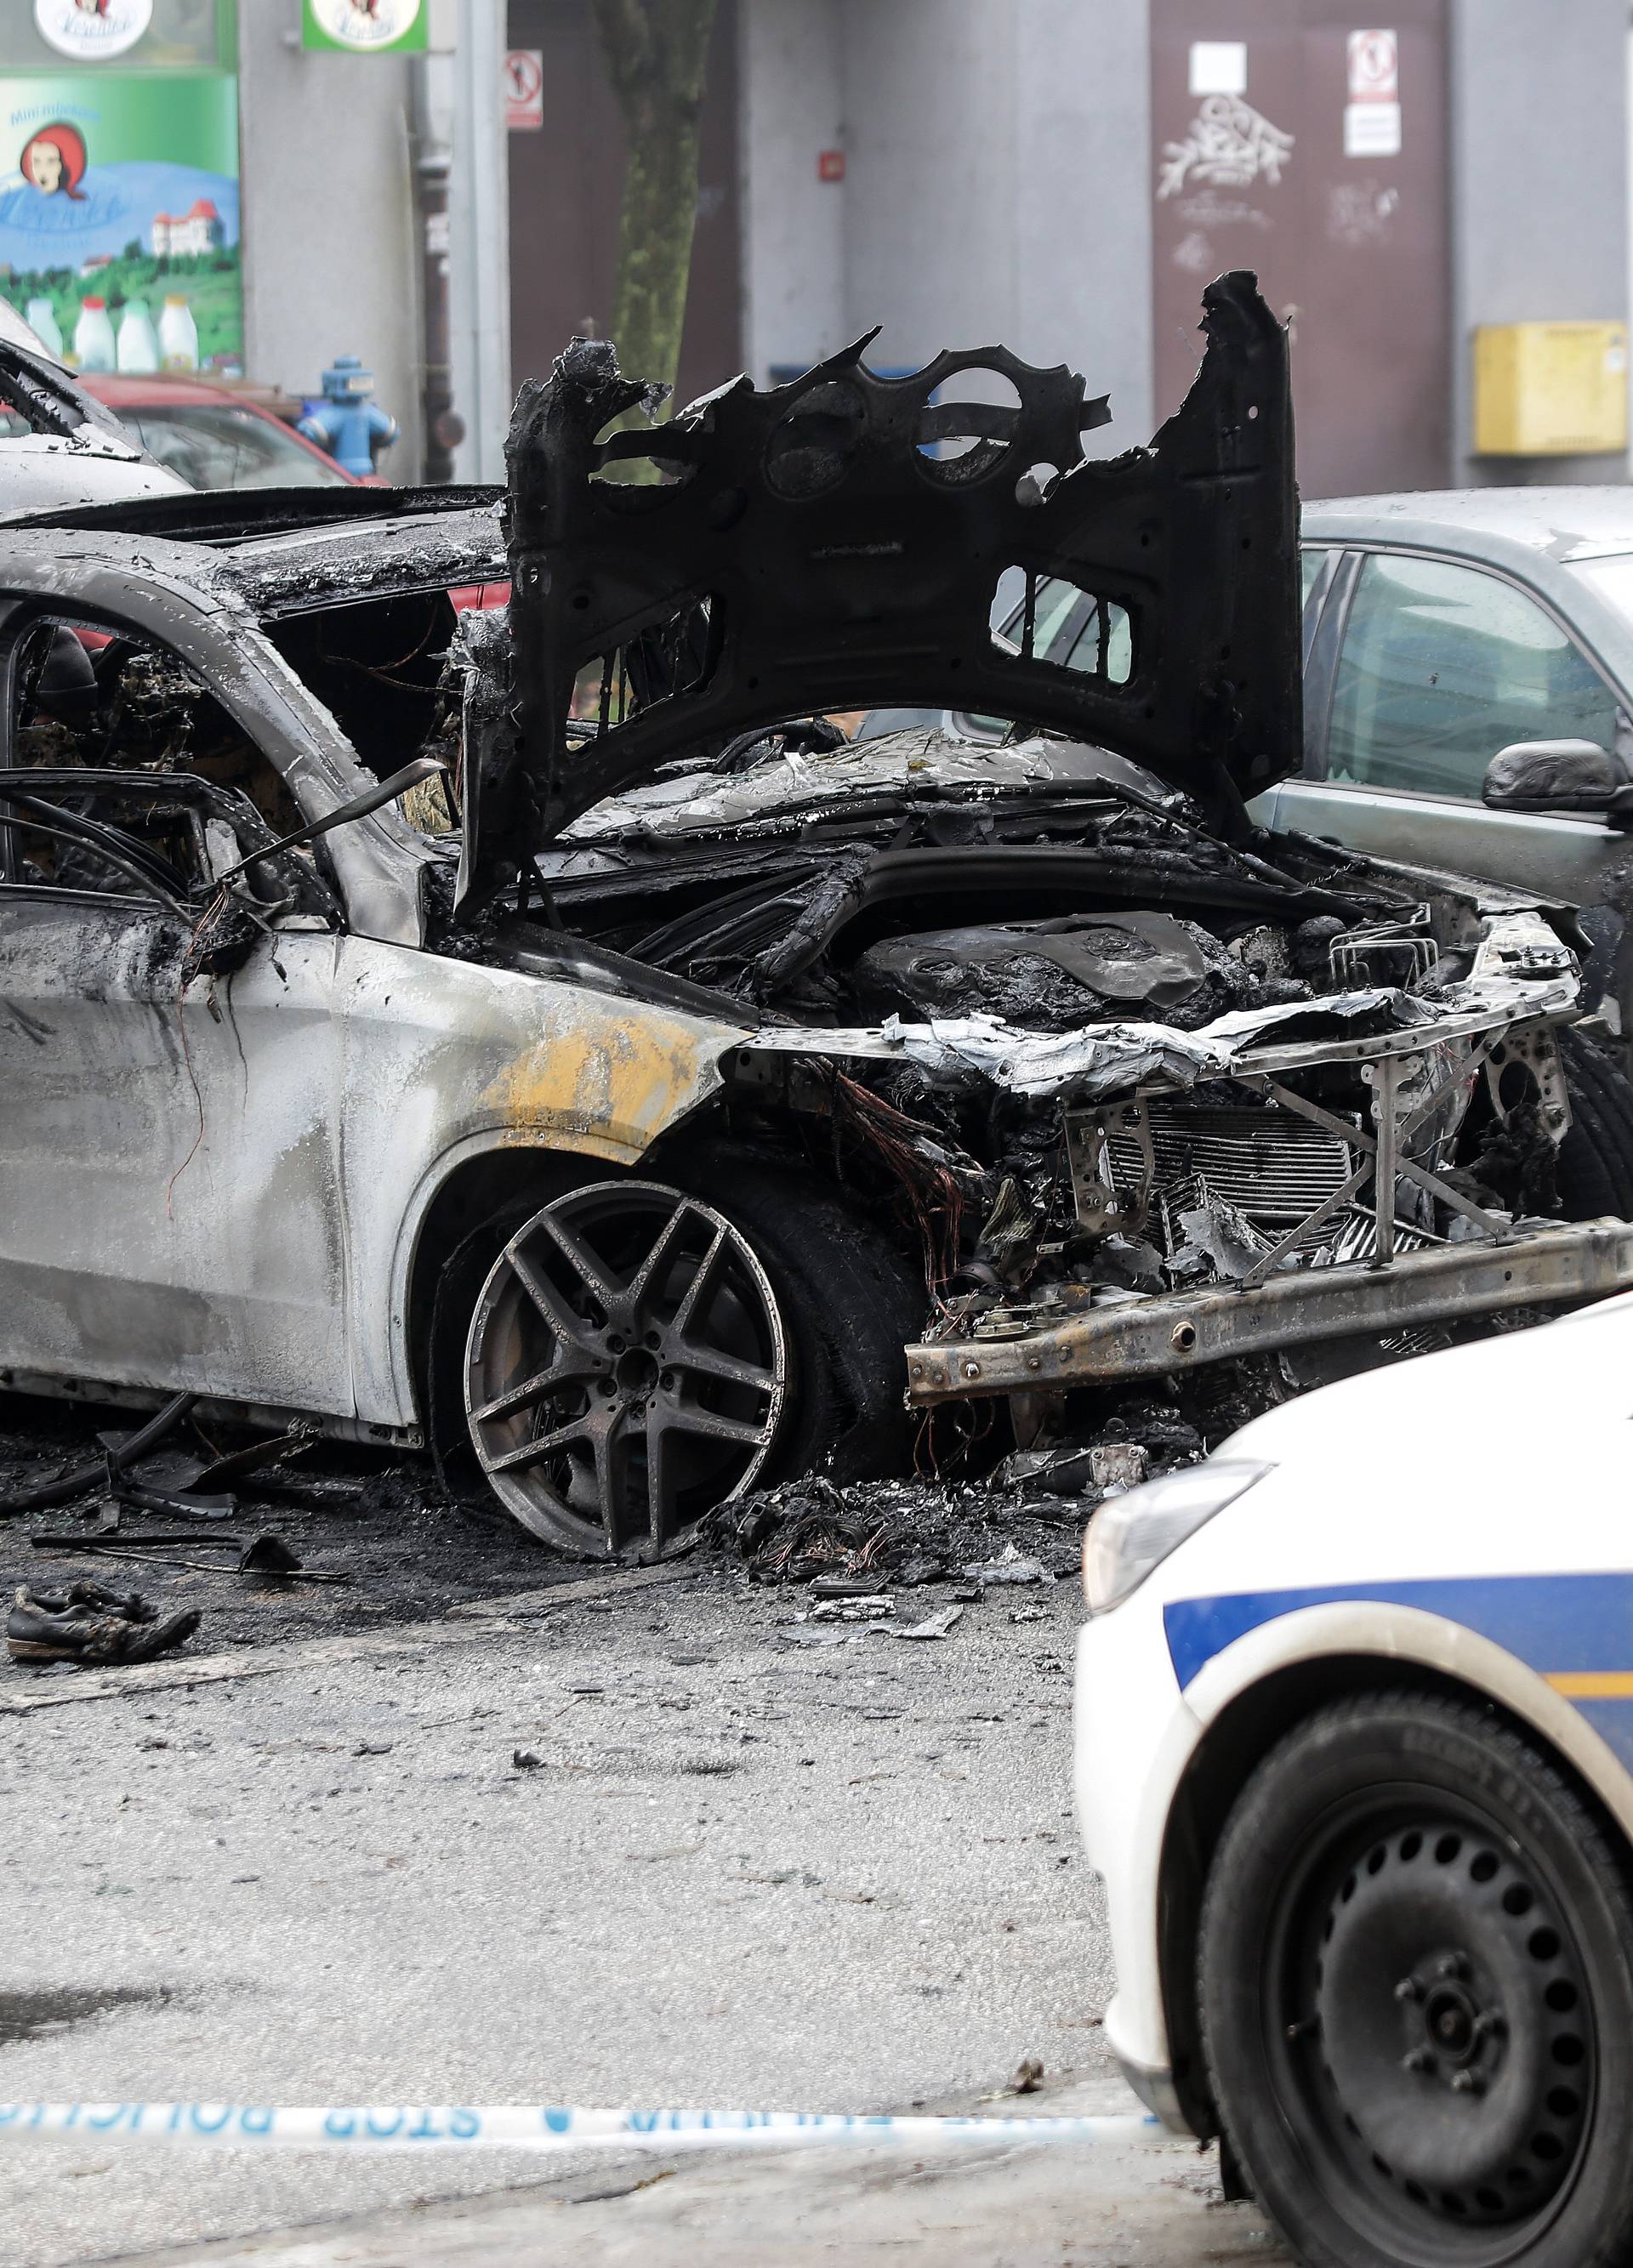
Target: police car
1355, 1758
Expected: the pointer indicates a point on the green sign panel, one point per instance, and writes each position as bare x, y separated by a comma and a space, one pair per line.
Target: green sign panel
119, 217
365, 27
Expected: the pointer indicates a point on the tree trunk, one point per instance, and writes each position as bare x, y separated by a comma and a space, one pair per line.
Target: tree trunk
656, 51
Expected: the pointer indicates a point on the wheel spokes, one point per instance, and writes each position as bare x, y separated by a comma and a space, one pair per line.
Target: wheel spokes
681, 1321
610, 1438
591, 1272
571, 1366
713, 1362
529, 1453
662, 1245
712, 1426
660, 1478
563, 1318
660, 1400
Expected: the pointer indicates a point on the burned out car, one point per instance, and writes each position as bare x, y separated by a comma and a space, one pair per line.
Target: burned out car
660, 1094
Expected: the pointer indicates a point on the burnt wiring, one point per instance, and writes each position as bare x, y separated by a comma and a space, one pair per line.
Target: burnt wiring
971, 1422
183, 978
383, 670
929, 1194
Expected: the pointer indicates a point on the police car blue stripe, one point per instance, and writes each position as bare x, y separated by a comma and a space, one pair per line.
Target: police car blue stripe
1554, 1623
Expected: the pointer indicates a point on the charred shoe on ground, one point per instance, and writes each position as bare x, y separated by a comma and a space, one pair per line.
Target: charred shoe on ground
93, 1627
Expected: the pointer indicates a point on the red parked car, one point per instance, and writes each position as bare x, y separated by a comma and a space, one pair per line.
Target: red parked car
214, 437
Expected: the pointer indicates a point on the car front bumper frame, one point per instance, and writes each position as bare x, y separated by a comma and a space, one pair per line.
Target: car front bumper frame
1181, 1330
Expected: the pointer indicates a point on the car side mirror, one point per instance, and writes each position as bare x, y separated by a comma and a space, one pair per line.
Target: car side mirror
1558, 776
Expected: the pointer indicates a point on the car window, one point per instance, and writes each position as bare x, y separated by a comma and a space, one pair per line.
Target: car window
220, 446
1068, 630
87, 705
1312, 560
155, 848
1441, 667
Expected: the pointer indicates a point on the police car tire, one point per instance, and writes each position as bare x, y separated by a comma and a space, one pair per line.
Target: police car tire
1596, 1156
1456, 1753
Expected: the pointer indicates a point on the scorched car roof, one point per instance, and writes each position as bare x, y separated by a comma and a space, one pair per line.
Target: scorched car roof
286, 558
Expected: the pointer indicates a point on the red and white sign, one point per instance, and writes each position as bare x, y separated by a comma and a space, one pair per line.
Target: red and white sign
830, 165
1373, 114
524, 89
1374, 67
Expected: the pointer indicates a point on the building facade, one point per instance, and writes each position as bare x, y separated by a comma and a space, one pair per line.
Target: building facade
1062, 176
1065, 175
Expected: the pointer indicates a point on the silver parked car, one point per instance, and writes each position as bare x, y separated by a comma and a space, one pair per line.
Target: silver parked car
1441, 630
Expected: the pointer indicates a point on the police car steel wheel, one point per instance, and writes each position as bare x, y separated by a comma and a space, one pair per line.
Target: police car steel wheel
1417, 1999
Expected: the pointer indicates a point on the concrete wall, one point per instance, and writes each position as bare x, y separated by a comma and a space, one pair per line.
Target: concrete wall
996, 187
1539, 190
330, 257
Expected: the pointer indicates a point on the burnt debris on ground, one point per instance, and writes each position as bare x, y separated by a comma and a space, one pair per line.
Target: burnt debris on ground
1019, 1522
305, 1534
373, 1517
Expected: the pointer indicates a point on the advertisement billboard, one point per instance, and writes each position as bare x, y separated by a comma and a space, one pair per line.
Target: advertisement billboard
119, 198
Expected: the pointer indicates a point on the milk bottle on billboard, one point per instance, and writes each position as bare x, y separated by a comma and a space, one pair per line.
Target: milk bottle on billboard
178, 334
138, 349
93, 337
42, 322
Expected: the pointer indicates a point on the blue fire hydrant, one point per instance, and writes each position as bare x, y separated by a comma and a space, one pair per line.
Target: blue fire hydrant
348, 421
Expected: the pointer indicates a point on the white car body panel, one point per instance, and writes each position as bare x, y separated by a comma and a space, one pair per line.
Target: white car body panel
1501, 1463
368, 1068
40, 472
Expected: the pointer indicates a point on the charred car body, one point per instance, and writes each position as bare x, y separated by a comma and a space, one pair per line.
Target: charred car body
639, 1113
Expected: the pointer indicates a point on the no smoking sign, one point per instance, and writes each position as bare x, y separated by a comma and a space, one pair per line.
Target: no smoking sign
1374, 67
524, 88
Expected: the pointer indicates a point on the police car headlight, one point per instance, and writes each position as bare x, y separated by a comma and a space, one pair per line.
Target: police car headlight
1131, 1534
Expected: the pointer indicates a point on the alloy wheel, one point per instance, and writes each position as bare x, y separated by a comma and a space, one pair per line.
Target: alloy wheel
626, 1369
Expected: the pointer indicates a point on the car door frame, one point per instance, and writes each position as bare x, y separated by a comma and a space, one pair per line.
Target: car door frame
164, 592
215, 638
1323, 639
1585, 844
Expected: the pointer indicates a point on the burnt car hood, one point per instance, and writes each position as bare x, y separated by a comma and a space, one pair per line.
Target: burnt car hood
808, 550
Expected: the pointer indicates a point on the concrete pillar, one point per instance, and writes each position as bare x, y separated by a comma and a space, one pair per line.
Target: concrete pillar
932, 219
997, 186
479, 235
791, 103
329, 238
1083, 193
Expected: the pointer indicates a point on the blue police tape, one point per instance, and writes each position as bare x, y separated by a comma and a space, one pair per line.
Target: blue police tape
532, 2126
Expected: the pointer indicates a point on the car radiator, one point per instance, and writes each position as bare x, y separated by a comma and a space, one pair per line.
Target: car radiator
1274, 1166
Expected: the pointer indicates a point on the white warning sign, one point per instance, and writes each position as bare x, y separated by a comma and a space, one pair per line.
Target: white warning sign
524, 89
1374, 67
1372, 114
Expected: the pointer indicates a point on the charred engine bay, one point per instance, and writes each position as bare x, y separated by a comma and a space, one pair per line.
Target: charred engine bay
1011, 880
919, 878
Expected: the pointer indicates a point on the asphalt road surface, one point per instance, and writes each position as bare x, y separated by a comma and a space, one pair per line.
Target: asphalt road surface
745, 1872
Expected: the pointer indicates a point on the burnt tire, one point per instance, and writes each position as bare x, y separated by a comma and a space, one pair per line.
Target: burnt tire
655, 1401
1416, 1995
1595, 1171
